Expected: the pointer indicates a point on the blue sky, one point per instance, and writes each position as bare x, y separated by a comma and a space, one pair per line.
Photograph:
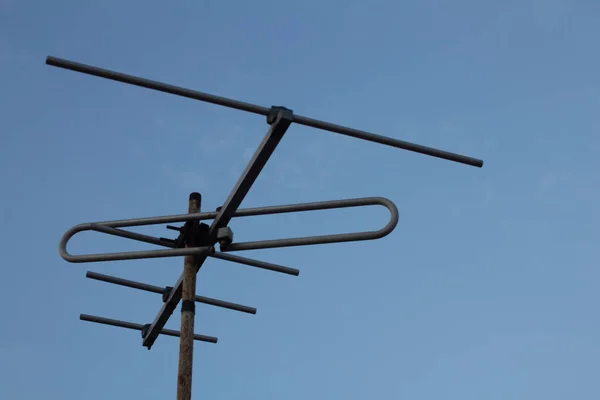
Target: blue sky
488, 287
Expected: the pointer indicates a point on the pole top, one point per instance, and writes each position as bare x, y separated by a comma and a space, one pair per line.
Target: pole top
195, 196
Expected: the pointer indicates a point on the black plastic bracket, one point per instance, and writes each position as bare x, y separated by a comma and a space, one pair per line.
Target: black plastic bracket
188, 305
274, 111
145, 330
192, 234
166, 293
196, 234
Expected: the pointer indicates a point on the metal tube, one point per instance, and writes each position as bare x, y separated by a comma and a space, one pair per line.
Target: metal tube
256, 109
255, 166
112, 322
202, 338
160, 290
388, 141
256, 263
122, 223
124, 282
163, 315
131, 255
226, 304
154, 85
131, 235
139, 327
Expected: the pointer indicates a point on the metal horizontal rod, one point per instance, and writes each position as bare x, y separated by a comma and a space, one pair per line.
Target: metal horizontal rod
150, 84
124, 282
226, 304
388, 141
252, 108
160, 290
256, 263
132, 235
131, 255
139, 327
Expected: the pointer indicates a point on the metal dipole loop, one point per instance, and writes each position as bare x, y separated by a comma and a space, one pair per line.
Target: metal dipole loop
111, 228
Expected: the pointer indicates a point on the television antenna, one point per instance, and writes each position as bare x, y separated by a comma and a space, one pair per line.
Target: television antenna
196, 241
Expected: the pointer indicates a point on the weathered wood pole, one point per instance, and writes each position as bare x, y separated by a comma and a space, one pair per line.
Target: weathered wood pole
188, 295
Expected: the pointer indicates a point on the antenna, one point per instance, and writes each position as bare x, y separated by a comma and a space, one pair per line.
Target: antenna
197, 241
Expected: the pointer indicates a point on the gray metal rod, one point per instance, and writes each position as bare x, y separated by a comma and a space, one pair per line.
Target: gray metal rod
154, 85
139, 327
253, 108
253, 169
124, 282
122, 223
160, 290
132, 255
256, 263
163, 315
226, 304
131, 235
388, 141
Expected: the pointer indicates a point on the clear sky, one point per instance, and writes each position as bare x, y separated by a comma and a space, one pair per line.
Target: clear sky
488, 287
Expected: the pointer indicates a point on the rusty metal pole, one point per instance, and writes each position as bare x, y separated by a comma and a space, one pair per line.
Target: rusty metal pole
188, 296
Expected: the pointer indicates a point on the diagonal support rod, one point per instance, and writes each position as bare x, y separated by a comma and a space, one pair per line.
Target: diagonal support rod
262, 154
256, 109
